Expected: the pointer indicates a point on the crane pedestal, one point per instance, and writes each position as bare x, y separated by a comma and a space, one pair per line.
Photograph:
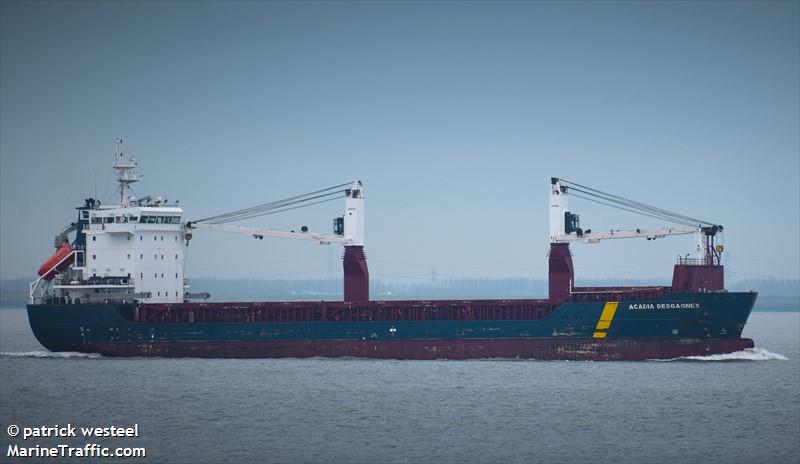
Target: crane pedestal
356, 275
561, 273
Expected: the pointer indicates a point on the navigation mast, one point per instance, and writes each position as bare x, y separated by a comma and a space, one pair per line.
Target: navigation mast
126, 174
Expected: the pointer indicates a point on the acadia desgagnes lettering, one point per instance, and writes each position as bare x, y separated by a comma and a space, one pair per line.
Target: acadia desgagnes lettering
664, 306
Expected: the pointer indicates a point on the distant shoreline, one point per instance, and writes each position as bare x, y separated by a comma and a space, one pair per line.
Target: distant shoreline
778, 295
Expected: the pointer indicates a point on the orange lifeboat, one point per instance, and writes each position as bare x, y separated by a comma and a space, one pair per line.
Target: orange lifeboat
61, 253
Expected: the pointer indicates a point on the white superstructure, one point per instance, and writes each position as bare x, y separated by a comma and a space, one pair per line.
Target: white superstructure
130, 250
140, 245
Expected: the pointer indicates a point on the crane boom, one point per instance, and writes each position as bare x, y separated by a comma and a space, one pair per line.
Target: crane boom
565, 225
649, 234
348, 229
260, 232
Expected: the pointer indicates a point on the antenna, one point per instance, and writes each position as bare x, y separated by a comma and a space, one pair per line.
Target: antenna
127, 175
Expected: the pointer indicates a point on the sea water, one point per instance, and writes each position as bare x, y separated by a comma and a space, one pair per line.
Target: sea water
741, 407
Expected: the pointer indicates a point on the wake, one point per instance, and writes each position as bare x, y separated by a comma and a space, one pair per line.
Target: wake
749, 354
48, 354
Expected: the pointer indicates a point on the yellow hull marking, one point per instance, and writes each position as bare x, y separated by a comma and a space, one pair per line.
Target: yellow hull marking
605, 319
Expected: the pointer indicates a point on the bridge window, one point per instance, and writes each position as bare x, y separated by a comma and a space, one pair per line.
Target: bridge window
94, 256
141, 238
94, 239
97, 220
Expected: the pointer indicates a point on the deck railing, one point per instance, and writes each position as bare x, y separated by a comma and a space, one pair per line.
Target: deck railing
698, 261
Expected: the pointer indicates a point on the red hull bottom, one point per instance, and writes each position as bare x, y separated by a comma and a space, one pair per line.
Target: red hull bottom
553, 349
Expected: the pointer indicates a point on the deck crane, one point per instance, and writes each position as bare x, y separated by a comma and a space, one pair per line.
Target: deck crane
348, 230
704, 272
565, 226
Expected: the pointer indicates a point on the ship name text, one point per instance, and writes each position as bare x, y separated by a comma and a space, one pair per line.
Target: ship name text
664, 306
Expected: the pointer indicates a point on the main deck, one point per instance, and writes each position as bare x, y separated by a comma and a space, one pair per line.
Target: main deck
388, 310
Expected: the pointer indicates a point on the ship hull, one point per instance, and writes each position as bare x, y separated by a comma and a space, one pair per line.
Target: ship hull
673, 327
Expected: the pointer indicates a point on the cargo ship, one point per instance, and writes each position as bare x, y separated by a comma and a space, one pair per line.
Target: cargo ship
115, 286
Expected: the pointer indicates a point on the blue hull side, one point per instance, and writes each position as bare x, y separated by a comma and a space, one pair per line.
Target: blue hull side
691, 324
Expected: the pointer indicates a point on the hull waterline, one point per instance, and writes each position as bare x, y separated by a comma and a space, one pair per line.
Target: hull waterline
545, 349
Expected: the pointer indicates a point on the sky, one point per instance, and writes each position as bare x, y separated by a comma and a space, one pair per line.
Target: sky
454, 115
